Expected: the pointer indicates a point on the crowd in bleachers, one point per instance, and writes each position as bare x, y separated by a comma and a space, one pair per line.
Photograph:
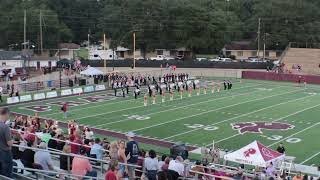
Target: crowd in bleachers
82, 153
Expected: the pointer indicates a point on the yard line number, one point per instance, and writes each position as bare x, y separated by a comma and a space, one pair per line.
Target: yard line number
278, 138
204, 127
137, 117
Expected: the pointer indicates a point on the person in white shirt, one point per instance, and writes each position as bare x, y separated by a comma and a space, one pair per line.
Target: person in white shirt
151, 165
177, 165
88, 134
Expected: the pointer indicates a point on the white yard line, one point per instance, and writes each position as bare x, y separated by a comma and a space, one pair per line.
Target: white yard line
180, 107
284, 117
206, 112
121, 101
177, 99
311, 157
258, 110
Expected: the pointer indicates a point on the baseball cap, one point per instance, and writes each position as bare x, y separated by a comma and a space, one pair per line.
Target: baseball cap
130, 134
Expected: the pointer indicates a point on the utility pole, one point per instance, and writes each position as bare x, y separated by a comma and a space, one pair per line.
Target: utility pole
134, 50
264, 46
104, 49
41, 40
259, 29
25, 30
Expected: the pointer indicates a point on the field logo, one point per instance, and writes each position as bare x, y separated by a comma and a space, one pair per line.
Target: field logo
70, 103
256, 127
40, 108
97, 98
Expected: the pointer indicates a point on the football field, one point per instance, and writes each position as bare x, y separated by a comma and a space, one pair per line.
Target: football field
270, 112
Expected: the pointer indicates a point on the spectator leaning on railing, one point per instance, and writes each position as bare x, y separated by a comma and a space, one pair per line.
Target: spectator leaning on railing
5, 144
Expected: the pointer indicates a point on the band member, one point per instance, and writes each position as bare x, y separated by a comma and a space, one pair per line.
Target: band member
145, 98
181, 92
163, 99
213, 87
219, 87
190, 91
136, 92
171, 95
153, 98
225, 84
205, 90
1, 89
123, 92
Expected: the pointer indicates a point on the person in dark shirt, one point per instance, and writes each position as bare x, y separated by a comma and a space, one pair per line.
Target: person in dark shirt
61, 143
64, 158
281, 149
27, 157
52, 143
132, 151
225, 85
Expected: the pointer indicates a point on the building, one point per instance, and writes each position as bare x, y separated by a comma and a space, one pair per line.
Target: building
17, 59
67, 50
245, 49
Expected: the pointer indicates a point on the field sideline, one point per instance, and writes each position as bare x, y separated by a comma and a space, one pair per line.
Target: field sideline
270, 112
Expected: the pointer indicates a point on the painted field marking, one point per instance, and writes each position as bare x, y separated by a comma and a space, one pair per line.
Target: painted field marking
246, 114
213, 99
179, 119
180, 107
305, 129
311, 157
292, 114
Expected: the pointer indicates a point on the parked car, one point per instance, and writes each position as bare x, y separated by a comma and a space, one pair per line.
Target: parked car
139, 58
201, 59
219, 59
161, 58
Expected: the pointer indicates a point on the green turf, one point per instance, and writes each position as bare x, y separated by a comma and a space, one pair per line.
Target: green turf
198, 120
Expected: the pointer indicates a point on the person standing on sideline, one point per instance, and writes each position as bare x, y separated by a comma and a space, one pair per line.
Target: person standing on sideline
281, 148
132, 153
64, 109
5, 144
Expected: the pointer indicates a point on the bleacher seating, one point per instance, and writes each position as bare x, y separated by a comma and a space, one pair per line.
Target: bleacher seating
308, 59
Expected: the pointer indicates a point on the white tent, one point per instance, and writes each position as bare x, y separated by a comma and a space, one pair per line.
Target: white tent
90, 71
255, 154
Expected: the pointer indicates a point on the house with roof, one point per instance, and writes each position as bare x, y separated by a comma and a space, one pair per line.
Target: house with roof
20, 59
67, 50
245, 49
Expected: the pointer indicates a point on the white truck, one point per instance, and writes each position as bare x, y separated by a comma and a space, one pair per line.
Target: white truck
161, 58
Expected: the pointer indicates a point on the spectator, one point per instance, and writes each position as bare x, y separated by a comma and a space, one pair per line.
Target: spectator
176, 167
132, 151
87, 146
165, 167
198, 168
43, 158
161, 163
111, 173
82, 166
5, 144
151, 165
298, 176
140, 162
270, 171
61, 143
76, 143
88, 133
27, 157
281, 148
122, 157
64, 158
96, 150
113, 152
52, 143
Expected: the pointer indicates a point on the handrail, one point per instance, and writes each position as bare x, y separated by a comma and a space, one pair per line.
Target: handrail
55, 172
211, 175
72, 155
5, 178
65, 141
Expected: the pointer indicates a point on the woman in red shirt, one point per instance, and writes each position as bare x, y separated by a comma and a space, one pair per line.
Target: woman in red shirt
112, 172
